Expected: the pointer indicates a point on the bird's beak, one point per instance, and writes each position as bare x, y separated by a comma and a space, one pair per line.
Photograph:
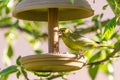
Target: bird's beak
60, 33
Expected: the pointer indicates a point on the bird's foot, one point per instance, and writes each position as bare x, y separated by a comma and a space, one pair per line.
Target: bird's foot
79, 56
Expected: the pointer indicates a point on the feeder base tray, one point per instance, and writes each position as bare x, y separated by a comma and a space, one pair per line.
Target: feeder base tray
52, 63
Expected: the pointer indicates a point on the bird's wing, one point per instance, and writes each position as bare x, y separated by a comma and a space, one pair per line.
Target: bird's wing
87, 42
76, 35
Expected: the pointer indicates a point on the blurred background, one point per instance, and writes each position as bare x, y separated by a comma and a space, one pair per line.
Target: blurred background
23, 38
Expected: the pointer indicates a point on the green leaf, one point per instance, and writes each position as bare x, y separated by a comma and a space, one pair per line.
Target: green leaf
7, 34
101, 16
107, 68
18, 74
5, 20
95, 18
88, 53
105, 6
16, 24
118, 5
104, 68
5, 1
109, 29
18, 60
72, 1
5, 77
111, 2
93, 71
117, 44
7, 10
24, 73
9, 70
79, 22
10, 51
38, 51
95, 57
8, 54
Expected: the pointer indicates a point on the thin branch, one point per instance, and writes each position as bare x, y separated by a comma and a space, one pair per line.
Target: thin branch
18, 27
53, 77
22, 30
92, 28
117, 49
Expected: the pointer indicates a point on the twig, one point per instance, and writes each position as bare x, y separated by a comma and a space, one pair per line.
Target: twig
92, 28
53, 77
117, 49
22, 30
18, 27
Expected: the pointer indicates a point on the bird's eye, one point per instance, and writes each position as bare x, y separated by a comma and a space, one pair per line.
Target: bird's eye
63, 31
60, 32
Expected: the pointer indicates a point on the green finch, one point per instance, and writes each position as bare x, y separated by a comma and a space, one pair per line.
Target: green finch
78, 44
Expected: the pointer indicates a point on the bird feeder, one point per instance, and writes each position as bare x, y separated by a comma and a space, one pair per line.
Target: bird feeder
52, 11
